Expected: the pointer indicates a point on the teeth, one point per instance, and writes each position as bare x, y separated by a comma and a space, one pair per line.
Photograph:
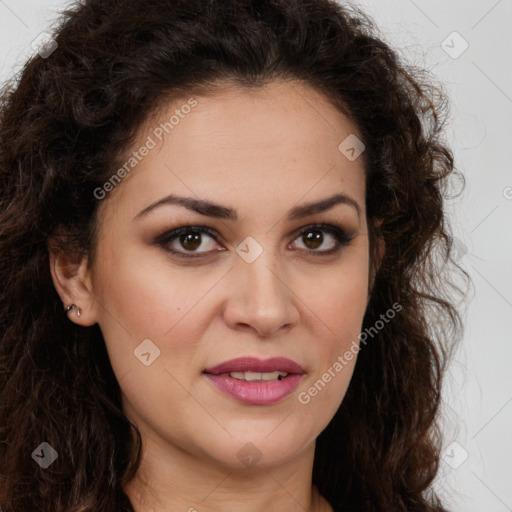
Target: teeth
250, 376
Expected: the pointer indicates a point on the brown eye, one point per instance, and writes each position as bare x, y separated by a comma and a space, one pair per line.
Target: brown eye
185, 241
314, 237
190, 241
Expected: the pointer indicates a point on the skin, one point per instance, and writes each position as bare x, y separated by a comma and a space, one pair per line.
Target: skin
241, 149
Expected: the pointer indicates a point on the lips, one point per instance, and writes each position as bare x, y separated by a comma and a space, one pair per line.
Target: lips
255, 381
252, 364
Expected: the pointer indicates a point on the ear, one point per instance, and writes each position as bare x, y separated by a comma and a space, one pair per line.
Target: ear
72, 281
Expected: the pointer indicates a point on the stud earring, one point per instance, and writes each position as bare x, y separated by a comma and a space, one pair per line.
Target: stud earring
74, 306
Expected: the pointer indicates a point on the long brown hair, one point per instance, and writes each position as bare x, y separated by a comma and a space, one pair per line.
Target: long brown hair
65, 121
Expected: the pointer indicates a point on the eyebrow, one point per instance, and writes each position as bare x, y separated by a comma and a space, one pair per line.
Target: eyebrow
210, 209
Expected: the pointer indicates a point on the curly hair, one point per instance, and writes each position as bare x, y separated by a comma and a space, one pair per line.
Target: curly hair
65, 121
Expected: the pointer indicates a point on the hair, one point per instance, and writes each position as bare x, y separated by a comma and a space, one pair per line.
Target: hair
66, 121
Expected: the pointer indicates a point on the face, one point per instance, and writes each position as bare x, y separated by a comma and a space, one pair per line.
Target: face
252, 273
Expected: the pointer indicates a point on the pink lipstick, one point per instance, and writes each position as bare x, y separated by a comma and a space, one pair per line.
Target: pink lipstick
256, 381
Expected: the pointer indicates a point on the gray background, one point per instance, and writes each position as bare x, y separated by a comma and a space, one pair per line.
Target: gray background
475, 474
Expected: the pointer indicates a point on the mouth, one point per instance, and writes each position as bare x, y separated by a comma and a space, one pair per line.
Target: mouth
254, 381
254, 376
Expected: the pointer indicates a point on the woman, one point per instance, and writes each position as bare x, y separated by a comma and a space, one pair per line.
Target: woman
182, 329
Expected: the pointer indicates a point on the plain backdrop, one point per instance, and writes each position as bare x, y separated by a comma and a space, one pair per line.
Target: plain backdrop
466, 46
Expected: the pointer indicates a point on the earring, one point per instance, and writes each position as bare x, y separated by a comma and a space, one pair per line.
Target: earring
74, 306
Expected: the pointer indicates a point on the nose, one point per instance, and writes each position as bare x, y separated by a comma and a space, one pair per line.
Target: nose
261, 298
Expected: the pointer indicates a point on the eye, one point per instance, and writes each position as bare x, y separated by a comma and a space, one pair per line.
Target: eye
185, 241
313, 237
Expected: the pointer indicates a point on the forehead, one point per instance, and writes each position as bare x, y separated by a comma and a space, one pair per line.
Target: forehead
280, 140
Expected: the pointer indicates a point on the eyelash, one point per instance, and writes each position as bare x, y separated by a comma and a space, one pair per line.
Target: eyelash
341, 237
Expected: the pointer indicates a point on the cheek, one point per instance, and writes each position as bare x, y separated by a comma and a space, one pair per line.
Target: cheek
342, 302
141, 300
339, 298
339, 306
148, 296
144, 302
